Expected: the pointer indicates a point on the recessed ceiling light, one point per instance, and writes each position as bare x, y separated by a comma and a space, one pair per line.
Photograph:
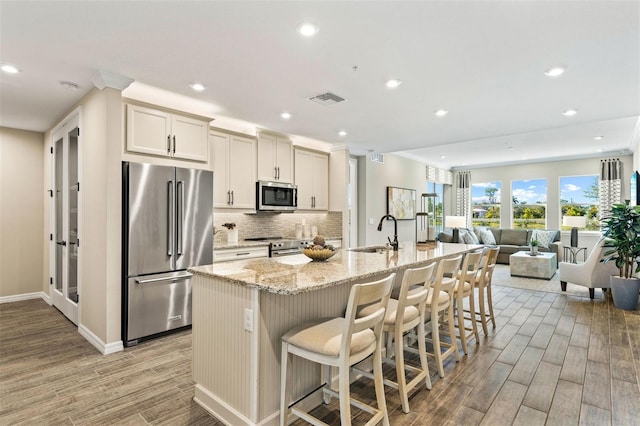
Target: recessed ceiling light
307, 29
285, 115
10, 69
393, 83
69, 85
570, 113
198, 87
599, 150
342, 133
554, 72
441, 113
443, 157
598, 138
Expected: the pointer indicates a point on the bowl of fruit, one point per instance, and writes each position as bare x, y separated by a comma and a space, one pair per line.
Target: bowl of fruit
319, 251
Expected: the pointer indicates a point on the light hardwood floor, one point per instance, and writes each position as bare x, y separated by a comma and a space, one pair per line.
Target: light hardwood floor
555, 359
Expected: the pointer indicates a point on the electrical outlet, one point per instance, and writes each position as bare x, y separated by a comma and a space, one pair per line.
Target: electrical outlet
248, 320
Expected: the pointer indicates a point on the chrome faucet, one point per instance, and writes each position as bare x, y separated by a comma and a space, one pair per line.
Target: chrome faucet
393, 243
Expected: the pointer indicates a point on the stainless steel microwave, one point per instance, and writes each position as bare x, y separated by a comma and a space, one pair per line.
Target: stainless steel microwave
276, 196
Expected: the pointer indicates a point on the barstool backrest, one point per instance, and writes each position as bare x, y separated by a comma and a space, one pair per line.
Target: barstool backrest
446, 275
421, 277
372, 293
470, 267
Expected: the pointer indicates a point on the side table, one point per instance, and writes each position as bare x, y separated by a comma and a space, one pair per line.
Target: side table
571, 254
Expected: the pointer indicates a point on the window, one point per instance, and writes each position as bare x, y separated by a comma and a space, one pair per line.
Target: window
579, 197
485, 202
437, 188
529, 201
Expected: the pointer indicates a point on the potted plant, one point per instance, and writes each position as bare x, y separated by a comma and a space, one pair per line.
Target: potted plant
232, 234
534, 247
622, 245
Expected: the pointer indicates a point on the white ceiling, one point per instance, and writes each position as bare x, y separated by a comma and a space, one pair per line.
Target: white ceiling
484, 62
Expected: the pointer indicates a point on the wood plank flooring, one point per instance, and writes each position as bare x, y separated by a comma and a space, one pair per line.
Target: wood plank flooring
555, 359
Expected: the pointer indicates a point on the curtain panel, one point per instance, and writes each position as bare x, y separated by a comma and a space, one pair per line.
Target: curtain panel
463, 194
609, 185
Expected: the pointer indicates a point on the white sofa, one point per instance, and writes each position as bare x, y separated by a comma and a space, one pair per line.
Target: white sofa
591, 273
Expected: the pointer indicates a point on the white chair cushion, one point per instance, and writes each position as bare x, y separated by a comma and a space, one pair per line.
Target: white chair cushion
410, 312
324, 337
443, 297
467, 287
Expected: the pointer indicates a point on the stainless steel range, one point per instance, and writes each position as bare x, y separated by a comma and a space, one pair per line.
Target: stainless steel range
279, 246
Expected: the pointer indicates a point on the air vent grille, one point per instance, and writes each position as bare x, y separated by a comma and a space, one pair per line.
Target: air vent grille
326, 98
377, 158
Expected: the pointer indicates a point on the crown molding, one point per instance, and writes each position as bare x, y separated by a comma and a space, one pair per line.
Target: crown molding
102, 79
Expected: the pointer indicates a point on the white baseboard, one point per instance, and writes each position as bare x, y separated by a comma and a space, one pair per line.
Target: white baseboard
104, 348
25, 296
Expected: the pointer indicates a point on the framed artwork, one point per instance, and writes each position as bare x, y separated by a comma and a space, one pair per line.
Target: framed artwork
401, 203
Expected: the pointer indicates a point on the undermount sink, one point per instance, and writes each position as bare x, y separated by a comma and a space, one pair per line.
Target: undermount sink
370, 249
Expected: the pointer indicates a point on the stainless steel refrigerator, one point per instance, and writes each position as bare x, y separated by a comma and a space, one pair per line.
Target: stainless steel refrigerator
167, 227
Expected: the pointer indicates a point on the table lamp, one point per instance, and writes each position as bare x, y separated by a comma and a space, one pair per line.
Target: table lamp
574, 222
455, 222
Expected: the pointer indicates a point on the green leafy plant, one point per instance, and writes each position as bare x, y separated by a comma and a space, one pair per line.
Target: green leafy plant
229, 226
622, 238
534, 243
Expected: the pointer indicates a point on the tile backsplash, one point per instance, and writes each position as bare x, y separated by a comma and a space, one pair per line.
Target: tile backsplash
275, 224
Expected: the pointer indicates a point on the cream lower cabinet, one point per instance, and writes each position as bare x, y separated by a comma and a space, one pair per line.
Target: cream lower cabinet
239, 253
275, 158
234, 171
312, 179
154, 131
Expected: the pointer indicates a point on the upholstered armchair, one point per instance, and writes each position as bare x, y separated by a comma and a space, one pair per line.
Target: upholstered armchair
592, 273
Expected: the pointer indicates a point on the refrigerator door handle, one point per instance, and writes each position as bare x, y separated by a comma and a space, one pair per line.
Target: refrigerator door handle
170, 218
155, 280
180, 213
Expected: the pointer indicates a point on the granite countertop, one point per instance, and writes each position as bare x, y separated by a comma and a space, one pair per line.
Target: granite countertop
298, 274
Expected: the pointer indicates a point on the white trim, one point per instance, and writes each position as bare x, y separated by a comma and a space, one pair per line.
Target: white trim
24, 296
104, 348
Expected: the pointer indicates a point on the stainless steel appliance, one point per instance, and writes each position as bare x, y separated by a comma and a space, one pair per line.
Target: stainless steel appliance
167, 227
281, 247
276, 196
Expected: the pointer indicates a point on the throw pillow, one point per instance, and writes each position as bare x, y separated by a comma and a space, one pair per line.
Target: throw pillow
545, 238
473, 237
487, 237
445, 237
465, 236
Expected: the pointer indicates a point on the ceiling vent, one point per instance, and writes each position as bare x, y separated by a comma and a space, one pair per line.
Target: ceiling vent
326, 99
377, 158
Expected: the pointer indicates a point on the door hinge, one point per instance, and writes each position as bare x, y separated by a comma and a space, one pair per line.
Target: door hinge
50, 191
51, 149
77, 242
78, 186
51, 280
50, 237
78, 131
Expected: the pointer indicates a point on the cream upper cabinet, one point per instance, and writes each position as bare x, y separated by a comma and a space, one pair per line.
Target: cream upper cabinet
234, 171
167, 134
312, 179
275, 158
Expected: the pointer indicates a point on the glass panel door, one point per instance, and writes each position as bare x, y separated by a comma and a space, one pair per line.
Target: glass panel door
64, 294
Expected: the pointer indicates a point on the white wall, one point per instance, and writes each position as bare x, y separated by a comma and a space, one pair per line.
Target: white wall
373, 179
21, 212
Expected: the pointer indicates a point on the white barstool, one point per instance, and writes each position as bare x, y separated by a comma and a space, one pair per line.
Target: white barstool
483, 284
342, 343
439, 302
403, 314
463, 289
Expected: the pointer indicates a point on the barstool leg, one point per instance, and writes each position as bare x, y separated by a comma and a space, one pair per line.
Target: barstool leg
378, 380
345, 396
400, 373
326, 373
474, 323
422, 350
435, 338
285, 384
483, 314
461, 330
452, 332
490, 302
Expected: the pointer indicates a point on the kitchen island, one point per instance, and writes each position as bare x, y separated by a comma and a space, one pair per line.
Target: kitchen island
242, 308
